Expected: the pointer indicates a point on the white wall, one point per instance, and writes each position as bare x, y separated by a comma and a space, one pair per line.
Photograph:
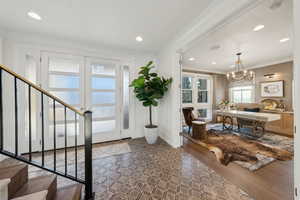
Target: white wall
169, 107
297, 94
15, 44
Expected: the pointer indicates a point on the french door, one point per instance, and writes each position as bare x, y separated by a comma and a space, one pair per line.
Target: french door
63, 76
197, 91
103, 98
86, 84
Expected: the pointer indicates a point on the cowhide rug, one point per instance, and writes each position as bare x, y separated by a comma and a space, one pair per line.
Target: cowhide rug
229, 148
247, 152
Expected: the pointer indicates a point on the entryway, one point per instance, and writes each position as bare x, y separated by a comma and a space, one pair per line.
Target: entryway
86, 83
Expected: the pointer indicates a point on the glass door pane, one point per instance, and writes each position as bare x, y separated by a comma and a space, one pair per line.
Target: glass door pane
64, 78
202, 90
125, 106
103, 99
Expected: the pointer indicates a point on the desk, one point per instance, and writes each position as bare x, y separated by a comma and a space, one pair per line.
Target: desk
256, 120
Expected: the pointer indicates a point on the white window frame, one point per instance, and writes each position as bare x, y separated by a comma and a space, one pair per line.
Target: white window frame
242, 88
192, 89
195, 104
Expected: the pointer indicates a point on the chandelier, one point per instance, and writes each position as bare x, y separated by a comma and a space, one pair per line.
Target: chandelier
240, 73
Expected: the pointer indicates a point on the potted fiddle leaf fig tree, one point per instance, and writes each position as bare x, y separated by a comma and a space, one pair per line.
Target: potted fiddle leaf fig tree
148, 89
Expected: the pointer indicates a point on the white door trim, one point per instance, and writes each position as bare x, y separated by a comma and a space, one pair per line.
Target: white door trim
297, 97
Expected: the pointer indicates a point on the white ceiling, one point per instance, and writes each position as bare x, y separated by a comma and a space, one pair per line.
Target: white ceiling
258, 48
109, 22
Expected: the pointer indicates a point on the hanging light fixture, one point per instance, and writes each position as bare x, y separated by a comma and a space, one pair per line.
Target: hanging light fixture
240, 73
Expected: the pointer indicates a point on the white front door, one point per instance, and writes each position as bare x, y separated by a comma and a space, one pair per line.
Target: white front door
86, 84
63, 76
103, 98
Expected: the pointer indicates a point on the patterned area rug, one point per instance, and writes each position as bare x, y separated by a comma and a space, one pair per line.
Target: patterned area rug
271, 139
150, 172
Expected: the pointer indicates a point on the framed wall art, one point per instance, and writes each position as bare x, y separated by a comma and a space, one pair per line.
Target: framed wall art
272, 89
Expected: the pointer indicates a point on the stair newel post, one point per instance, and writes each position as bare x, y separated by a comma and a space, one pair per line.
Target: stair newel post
1, 112
88, 155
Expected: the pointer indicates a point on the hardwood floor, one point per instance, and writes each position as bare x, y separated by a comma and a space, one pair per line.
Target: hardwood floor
272, 182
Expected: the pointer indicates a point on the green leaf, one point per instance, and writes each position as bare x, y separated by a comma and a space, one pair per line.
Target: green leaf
154, 103
149, 63
154, 74
147, 103
149, 87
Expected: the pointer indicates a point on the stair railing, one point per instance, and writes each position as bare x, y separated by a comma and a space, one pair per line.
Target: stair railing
87, 115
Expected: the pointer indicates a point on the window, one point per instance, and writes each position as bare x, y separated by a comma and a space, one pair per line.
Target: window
202, 91
187, 90
197, 93
125, 97
242, 94
202, 113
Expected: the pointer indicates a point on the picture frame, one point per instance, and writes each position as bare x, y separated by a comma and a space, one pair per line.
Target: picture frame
272, 89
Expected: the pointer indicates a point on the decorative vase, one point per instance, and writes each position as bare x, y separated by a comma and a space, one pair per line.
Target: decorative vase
151, 134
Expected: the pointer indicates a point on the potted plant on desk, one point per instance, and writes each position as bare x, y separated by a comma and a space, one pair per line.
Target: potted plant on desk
148, 89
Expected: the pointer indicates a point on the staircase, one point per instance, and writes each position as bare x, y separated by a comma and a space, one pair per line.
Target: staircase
15, 184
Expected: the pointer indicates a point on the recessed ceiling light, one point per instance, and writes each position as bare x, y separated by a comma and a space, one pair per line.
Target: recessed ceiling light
139, 39
258, 27
284, 40
34, 15
191, 59
214, 63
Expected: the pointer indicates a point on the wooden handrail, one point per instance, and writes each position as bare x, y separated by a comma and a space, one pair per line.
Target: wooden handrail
40, 89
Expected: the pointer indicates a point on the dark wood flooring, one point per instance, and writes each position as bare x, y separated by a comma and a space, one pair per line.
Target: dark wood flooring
272, 182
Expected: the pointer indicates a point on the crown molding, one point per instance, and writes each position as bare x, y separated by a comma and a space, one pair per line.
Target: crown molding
203, 70
266, 64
